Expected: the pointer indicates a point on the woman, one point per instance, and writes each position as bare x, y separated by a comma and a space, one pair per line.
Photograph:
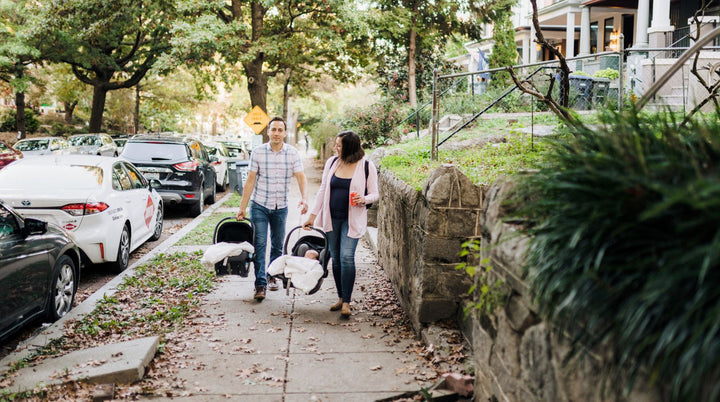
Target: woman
342, 216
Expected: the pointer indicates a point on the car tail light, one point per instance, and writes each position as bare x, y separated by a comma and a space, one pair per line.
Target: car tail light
85, 209
189, 166
217, 163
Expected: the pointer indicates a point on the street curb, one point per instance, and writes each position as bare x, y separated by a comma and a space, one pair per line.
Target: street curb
55, 330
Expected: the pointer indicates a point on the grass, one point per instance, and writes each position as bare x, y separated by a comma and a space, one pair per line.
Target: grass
483, 164
203, 233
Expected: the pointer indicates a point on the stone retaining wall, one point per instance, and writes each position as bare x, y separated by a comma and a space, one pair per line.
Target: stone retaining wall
517, 356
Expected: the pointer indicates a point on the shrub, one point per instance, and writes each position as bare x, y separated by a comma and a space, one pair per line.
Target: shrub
626, 247
9, 122
608, 73
375, 123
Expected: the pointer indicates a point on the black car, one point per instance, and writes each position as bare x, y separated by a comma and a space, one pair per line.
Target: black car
39, 271
181, 164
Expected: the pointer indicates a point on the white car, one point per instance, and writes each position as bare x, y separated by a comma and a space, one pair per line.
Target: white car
219, 158
105, 203
94, 144
44, 146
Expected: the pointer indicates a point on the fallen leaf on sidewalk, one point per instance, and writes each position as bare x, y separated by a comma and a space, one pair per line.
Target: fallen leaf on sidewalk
368, 336
376, 368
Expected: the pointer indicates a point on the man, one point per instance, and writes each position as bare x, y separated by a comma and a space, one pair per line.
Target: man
271, 168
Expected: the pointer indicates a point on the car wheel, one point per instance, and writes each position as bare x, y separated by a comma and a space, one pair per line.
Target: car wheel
211, 199
197, 208
158, 224
62, 291
123, 257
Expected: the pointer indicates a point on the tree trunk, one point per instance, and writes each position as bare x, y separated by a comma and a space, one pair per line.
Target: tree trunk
98, 106
20, 116
136, 118
412, 49
286, 98
20, 104
69, 111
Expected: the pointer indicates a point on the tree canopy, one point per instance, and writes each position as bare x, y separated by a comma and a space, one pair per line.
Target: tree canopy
109, 44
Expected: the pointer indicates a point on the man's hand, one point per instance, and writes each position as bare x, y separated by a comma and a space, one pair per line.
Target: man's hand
240, 215
303, 207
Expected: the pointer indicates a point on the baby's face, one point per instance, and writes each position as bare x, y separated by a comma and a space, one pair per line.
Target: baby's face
312, 254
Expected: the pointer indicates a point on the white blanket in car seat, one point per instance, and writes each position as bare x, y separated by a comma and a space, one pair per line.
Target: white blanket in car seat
220, 251
304, 273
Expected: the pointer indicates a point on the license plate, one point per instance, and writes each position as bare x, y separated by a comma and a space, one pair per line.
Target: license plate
152, 175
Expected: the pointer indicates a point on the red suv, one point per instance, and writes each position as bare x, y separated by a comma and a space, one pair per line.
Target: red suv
8, 154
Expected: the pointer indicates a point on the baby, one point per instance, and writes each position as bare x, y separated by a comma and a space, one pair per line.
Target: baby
312, 254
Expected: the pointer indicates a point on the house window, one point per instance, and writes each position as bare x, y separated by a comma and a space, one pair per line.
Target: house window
607, 33
593, 37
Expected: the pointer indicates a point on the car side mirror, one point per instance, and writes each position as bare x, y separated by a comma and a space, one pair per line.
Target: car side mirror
213, 158
155, 183
34, 227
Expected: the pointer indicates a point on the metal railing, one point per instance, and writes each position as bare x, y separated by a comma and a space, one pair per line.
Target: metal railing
434, 122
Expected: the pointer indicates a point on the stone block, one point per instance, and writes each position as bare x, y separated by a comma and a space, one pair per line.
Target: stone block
442, 249
520, 317
432, 310
448, 187
538, 368
462, 222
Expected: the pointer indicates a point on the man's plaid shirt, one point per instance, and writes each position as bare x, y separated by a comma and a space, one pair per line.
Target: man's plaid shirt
274, 173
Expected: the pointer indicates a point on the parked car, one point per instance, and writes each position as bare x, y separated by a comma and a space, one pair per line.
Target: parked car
8, 154
181, 164
120, 141
105, 203
43, 146
219, 158
94, 144
39, 271
236, 150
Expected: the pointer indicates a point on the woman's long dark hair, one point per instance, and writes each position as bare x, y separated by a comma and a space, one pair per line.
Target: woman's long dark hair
351, 151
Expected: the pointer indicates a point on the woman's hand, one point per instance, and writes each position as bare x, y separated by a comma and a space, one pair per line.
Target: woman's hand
309, 223
359, 200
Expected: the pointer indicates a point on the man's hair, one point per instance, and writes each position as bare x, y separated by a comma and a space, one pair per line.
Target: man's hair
351, 151
280, 119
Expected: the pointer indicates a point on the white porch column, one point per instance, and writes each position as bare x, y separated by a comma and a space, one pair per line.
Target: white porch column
584, 31
643, 20
526, 43
660, 23
533, 44
570, 35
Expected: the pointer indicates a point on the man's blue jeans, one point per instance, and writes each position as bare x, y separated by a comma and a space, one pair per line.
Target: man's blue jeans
261, 218
342, 252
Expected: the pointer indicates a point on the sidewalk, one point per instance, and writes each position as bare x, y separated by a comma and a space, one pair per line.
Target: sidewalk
290, 347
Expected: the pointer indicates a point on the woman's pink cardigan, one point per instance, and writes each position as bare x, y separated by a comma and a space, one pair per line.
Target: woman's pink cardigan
357, 215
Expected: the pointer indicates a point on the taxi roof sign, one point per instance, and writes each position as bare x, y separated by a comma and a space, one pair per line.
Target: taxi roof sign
257, 119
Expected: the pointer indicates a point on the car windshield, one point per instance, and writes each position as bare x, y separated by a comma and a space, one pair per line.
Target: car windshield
50, 178
32, 145
154, 151
234, 152
84, 140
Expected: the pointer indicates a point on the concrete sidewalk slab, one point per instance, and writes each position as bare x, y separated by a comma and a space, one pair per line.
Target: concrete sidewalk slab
122, 362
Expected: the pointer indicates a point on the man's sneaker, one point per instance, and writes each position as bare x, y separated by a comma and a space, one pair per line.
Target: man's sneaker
259, 293
272, 284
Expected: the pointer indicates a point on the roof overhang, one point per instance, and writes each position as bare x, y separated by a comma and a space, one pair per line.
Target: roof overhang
632, 4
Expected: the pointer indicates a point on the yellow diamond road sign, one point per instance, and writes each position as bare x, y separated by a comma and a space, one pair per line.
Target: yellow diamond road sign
257, 119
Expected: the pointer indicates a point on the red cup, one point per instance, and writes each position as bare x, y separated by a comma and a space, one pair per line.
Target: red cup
352, 198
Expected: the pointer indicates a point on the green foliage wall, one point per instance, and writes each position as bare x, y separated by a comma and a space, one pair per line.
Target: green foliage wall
625, 252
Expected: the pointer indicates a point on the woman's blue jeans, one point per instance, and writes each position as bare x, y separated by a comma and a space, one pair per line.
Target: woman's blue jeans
262, 218
342, 252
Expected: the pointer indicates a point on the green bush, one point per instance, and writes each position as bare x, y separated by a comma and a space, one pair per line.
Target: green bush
625, 252
609, 73
9, 122
375, 124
